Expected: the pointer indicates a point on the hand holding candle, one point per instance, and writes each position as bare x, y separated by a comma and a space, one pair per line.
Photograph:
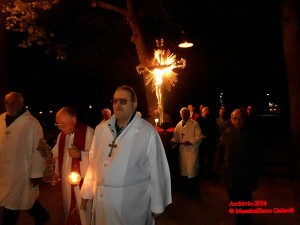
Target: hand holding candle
74, 179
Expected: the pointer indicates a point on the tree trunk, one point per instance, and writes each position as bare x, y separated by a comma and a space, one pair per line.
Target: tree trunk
138, 40
3, 69
292, 58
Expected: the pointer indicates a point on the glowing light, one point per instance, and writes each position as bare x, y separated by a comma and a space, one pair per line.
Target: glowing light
74, 178
160, 72
185, 45
156, 121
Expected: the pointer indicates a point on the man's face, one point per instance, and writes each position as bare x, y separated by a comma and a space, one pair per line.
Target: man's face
191, 108
13, 105
237, 119
185, 115
205, 112
106, 114
200, 108
249, 110
222, 112
123, 105
65, 123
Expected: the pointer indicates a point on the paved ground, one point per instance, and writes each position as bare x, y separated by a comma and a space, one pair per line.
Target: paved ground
276, 187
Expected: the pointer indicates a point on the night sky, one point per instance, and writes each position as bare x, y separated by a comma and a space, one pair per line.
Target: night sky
237, 51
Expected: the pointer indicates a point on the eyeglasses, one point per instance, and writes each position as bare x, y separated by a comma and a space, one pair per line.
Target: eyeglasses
123, 101
59, 124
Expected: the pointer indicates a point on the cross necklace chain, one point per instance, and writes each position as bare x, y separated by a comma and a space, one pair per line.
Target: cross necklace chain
113, 143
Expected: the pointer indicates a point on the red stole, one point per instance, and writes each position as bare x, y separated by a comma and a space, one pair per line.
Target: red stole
79, 142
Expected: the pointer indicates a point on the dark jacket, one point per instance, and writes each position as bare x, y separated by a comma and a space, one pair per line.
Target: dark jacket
241, 157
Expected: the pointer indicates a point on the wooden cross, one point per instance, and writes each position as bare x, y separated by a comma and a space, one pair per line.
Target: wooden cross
7, 133
112, 146
182, 135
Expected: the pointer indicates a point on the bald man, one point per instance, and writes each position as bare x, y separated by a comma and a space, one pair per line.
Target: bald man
241, 155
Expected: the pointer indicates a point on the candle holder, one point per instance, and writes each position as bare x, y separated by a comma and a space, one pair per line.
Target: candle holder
49, 175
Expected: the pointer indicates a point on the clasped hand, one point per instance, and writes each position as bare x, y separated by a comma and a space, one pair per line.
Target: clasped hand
74, 152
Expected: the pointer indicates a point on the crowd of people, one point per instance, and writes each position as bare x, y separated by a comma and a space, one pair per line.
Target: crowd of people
229, 150
122, 161
125, 176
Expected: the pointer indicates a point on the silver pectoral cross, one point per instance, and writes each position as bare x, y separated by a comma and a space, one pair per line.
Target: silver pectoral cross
112, 146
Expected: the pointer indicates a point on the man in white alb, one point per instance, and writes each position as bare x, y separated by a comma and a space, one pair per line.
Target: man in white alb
188, 136
128, 175
21, 164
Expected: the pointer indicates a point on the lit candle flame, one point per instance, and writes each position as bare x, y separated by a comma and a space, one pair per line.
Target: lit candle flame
74, 178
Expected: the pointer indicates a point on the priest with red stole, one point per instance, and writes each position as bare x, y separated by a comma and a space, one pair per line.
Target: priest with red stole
71, 154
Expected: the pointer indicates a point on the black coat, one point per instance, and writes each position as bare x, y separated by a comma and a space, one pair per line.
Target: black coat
241, 157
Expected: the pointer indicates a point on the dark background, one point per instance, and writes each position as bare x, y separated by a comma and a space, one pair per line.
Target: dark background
237, 51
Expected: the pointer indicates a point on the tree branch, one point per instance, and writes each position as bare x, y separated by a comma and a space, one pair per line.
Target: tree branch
111, 7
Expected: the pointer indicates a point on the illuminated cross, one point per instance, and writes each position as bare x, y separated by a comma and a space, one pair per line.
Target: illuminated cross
159, 72
112, 146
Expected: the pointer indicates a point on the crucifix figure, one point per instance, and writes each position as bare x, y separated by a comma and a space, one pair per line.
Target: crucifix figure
112, 146
182, 135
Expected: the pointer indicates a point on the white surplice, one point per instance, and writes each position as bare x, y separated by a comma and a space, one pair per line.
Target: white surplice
134, 181
67, 165
188, 154
19, 161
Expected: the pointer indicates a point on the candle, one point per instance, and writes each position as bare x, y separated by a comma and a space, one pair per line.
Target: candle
156, 121
74, 178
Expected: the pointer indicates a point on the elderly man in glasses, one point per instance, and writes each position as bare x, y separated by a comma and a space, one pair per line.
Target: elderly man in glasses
71, 154
128, 176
